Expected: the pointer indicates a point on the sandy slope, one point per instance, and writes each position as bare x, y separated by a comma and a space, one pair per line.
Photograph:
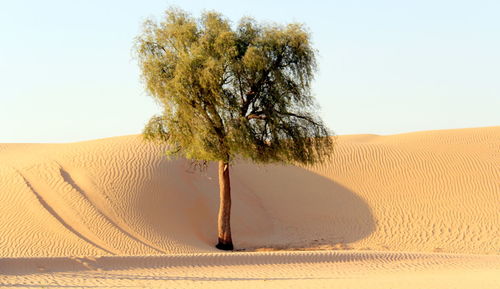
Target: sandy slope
434, 191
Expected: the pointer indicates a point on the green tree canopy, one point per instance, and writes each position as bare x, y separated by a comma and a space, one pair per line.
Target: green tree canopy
232, 91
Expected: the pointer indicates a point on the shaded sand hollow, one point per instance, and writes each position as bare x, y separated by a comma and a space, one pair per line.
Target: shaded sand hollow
416, 210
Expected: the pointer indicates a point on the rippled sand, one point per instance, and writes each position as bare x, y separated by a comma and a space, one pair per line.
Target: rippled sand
416, 210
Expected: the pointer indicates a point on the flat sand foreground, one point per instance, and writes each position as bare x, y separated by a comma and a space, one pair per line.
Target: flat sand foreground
416, 210
315, 269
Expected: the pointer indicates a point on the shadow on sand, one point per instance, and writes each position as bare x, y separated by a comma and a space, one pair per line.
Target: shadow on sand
273, 206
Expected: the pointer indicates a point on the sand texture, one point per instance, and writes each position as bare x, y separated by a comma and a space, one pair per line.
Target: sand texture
416, 210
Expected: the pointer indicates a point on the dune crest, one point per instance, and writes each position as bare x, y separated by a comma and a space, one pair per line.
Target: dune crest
417, 210
434, 191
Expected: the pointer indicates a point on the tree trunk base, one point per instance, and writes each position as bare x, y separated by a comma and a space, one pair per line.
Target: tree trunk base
224, 246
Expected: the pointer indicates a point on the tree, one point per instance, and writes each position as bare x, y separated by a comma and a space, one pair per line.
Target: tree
231, 92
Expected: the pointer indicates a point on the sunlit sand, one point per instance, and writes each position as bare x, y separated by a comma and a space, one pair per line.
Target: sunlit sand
415, 210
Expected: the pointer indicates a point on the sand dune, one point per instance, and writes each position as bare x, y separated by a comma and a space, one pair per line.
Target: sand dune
423, 192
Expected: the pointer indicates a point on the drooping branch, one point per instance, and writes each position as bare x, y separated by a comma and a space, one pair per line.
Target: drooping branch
306, 118
231, 92
256, 88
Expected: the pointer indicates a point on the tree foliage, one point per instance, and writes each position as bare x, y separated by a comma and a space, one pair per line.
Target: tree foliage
232, 91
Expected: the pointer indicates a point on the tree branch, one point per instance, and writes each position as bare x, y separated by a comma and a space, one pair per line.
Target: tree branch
255, 89
309, 119
256, 116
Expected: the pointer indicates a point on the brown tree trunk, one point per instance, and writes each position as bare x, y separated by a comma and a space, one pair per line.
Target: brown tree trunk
223, 226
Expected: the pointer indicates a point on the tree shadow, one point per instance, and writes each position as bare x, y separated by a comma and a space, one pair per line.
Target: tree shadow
299, 209
273, 206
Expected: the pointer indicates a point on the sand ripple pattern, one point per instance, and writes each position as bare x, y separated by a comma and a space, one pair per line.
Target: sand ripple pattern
436, 191
270, 269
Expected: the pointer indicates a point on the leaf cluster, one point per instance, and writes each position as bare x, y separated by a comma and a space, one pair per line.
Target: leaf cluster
227, 92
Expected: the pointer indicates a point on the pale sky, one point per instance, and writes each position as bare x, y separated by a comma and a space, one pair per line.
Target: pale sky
67, 71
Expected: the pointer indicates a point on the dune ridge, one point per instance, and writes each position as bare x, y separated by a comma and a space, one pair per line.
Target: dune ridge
418, 202
410, 192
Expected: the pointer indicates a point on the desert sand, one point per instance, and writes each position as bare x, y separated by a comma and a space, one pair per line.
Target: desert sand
415, 210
